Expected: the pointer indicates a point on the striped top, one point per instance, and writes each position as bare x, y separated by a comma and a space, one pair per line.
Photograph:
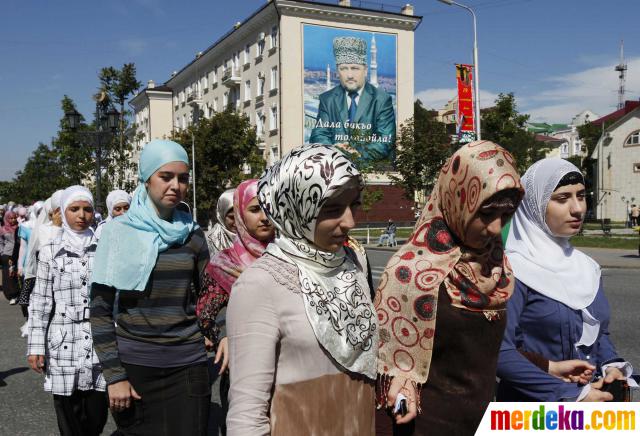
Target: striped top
161, 316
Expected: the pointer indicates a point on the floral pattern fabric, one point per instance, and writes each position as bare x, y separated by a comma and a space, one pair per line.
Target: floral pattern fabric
334, 285
435, 255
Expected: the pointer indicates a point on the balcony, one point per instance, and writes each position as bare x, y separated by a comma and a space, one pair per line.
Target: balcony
231, 77
194, 97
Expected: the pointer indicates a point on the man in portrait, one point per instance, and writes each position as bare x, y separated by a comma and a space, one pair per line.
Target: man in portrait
355, 113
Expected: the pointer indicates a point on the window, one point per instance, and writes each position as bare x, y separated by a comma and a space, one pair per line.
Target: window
247, 53
215, 104
178, 123
247, 90
274, 78
225, 100
214, 75
633, 139
260, 84
260, 45
577, 147
260, 122
273, 119
175, 100
181, 96
205, 82
274, 37
236, 60
184, 121
564, 150
636, 167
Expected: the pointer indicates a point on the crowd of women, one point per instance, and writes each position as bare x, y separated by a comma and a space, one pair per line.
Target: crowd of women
122, 316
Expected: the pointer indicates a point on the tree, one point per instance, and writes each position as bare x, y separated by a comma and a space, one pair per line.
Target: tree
504, 125
423, 148
74, 158
226, 154
119, 85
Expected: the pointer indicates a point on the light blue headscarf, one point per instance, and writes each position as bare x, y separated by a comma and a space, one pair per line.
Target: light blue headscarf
129, 245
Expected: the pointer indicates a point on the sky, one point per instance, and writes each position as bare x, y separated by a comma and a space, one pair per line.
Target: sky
556, 56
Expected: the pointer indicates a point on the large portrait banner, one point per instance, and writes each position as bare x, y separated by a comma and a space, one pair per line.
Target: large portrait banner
350, 90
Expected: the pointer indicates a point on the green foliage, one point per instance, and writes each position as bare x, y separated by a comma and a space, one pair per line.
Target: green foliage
226, 154
119, 85
590, 135
504, 125
423, 147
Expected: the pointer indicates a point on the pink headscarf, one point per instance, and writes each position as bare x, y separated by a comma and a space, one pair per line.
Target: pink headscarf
227, 264
8, 228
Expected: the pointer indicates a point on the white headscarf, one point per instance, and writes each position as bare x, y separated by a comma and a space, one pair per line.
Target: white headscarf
334, 288
43, 231
76, 240
114, 198
219, 237
547, 263
56, 200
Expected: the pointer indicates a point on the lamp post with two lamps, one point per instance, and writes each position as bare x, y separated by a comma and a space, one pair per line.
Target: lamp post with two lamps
476, 75
107, 119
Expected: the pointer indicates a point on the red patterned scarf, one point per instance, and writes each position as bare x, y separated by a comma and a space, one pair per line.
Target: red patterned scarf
407, 297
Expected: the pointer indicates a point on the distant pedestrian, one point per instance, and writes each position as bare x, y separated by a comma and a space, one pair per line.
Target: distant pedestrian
388, 235
8, 238
60, 344
118, 202
220, 236
635, 214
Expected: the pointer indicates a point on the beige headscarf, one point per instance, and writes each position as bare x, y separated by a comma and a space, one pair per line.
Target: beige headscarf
435, 254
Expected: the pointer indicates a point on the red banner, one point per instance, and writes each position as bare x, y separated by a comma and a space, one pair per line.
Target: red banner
464, 77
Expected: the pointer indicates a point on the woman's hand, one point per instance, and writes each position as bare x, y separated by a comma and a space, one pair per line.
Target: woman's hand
120, 395
223, 353
574, 371
596, 395
404, 386
612, 374
36, 362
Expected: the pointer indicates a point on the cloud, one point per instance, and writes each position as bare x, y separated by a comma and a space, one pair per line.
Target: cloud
593, 88
133, 46
436, 98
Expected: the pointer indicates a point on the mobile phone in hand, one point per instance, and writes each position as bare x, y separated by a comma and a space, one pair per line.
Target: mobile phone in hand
400, 407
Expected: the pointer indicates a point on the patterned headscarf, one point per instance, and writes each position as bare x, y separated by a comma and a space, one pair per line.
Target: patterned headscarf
335, 291
225, 266
9, 228
219, 237
435, 254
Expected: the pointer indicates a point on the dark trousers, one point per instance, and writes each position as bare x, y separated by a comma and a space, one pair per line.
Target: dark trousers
9, 284
84, 413
175, 401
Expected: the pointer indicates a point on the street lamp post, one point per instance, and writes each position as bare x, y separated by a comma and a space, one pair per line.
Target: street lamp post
476, 78
107, 118
193, 175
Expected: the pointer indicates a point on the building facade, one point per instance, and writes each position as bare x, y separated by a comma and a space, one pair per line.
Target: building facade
617, 177
260, 69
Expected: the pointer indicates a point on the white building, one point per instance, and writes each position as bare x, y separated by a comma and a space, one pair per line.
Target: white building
257, 68
618, 169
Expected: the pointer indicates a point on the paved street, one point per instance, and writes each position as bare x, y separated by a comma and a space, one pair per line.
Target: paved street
28, 410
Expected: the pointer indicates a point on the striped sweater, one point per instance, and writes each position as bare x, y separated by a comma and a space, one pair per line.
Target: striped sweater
162, 315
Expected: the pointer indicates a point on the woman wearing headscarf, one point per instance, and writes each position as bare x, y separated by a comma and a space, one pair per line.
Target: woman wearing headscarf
8, 237
118, 203
254, 232
221, 236
302, 330
441, 299
558, 311
154, 257
60, 344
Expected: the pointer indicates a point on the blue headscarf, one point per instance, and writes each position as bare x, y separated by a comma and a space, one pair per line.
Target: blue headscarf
129, 245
